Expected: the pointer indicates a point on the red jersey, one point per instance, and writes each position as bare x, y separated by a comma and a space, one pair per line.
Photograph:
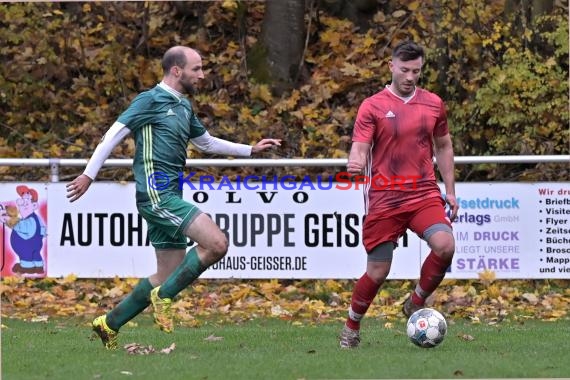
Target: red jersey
400, 132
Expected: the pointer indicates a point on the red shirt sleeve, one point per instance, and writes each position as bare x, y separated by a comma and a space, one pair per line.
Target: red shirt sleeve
365, 124
441, 127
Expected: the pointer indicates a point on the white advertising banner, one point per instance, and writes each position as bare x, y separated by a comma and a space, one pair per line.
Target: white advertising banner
517, 230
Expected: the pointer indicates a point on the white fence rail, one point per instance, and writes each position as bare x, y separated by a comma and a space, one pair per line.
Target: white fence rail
55, 163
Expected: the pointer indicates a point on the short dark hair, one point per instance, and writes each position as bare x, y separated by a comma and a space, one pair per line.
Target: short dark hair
407, 51
173, 57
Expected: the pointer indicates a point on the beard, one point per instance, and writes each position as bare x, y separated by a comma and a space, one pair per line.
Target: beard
188, 87
406, 88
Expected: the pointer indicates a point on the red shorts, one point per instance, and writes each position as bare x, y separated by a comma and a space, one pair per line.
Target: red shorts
389, 226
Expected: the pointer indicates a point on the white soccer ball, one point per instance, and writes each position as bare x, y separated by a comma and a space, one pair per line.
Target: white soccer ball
426, 328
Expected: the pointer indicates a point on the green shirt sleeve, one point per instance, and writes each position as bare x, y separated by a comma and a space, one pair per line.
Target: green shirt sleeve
139, 113
196, 127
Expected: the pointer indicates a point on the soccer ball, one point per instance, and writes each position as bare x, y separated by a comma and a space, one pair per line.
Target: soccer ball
426, 328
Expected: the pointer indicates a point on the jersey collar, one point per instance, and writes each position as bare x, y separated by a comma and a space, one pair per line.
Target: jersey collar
405, 99
170, 90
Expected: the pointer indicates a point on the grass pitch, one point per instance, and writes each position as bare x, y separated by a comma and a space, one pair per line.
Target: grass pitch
275, 349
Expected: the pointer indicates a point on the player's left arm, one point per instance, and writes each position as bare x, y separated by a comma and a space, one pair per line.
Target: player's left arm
445, 162
209, 144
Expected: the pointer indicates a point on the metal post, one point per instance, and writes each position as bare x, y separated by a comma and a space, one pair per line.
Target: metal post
54, 169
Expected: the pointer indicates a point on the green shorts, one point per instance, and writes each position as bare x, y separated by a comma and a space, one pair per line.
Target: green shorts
167, 221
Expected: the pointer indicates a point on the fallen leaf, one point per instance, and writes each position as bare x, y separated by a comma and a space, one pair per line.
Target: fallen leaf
213, 338
466, 337
40, 318
487, 277
168, 349
334, 299
276, 310
138, 349
302, 302
398, 13
530, 298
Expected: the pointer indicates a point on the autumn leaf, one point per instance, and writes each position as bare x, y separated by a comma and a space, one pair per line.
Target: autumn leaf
139, 349
487, 276
288, 103
261, 92
350, 69
398, 14
40, 318
303, 302
213, 338
331, 37
530, 298
230, 5
465, 337
168, 349
221, 109
412, 6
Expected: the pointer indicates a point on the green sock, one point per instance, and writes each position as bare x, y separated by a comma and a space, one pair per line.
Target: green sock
131, 306
190, 269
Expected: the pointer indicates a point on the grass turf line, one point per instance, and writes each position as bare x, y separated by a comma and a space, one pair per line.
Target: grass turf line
275, 349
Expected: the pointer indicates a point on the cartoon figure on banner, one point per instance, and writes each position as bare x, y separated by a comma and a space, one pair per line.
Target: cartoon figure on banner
27, 233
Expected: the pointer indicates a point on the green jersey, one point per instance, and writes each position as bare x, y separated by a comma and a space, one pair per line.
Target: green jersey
162, 125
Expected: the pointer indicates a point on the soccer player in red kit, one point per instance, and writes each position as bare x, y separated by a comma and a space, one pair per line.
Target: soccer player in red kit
396, 135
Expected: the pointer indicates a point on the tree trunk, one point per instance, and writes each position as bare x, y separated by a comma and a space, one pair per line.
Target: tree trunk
512, 7
283, 34
359, 12
524, 14
540, 8
529, 9
442, 54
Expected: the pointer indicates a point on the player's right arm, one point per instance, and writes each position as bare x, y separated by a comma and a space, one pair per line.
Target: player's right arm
358, 157
115, 134
362, 137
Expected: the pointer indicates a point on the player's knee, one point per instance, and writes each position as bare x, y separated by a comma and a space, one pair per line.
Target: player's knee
378, 275
218, 248
448, 247
445, 248
441, 241
378, 270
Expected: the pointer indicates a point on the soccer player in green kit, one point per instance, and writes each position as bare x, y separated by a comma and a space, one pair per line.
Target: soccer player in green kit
162, 123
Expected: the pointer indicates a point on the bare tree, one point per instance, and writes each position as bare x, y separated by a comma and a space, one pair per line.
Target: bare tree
525, 14
283, 39
540, 8
527, 11
359, 12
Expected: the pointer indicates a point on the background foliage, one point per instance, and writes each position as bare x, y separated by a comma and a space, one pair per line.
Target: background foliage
69, 69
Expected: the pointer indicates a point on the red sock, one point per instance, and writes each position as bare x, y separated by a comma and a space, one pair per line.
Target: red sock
362, 296
432, 273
